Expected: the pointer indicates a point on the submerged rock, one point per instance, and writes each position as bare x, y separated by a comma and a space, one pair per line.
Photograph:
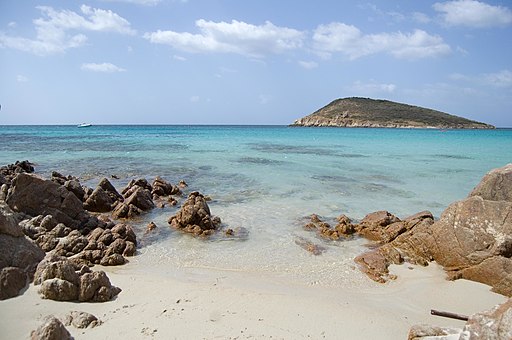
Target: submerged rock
195, 217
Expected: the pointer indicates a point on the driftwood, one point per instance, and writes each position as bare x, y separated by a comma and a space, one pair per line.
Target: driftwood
449, 315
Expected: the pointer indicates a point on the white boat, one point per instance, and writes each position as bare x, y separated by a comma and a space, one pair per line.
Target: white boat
84, 125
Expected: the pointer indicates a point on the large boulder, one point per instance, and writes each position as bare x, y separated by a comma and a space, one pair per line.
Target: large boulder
9, 172
496, 185
34, 196
195, 217
19, 253
9, 221
98, 201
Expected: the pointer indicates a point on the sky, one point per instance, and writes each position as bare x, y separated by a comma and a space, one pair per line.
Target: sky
251, 61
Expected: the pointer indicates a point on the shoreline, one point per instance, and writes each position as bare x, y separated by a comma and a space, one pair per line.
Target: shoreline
211, 303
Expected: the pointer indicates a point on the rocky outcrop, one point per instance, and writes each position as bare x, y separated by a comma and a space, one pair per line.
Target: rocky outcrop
471, 240
366, 112
194, 216
34, 196
18, 256
9, 172
51, 329
63, 280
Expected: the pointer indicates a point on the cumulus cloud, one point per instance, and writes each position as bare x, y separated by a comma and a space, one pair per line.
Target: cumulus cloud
372, 87
138, 2
21, 78
349, 40
473, 13
232, 37
53, 30
103, 67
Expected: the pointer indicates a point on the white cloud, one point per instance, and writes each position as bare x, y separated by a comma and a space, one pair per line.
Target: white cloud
421, 18
500, 79
350, 41
194, 99
371, 87
179, 58
138, 2
21, 78
473, 13
264, 99
103, 67
52, 30
234, 37
12, 24
308, 64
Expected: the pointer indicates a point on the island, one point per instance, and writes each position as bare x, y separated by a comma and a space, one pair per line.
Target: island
377, 113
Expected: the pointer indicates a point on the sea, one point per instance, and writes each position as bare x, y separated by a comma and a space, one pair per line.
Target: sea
264, 182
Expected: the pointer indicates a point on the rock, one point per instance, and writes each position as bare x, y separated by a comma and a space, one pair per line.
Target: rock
96, 287
72, 244
493, 324
419, 332
140, 198
380, 226
496, 185
113, 260
21, 253
12, 281
51, 329
9, 221
54, 267
58, 290
163, 188
121, 210
81, 320
76, 188
495, 271
34, 196
99, 201
375, 263
9, 172
194, 216
110, 190
150, 227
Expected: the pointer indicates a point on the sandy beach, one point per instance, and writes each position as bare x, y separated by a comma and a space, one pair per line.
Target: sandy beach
194, 303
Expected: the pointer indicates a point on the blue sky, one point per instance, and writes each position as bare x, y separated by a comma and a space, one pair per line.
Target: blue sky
251, 61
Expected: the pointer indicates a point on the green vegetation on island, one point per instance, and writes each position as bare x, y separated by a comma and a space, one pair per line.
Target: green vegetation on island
366, 112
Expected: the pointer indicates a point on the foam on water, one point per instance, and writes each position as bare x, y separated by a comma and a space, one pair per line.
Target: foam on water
267, 179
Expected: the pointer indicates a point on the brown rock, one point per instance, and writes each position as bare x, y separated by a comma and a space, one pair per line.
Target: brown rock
110, 190
496, 185
99, 201
51, 329
9, 221
34, 196
140, 198
163, 188
81, 320
96, 287
194, 216
419, 332
380, 226
12, 281
113, 260
58, 290
76, 188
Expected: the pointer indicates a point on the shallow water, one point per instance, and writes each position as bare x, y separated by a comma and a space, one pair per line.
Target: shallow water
265, 179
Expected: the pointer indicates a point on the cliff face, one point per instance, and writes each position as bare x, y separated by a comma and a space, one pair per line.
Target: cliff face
365, 112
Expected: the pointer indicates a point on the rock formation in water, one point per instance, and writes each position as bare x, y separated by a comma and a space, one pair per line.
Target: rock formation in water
366, 112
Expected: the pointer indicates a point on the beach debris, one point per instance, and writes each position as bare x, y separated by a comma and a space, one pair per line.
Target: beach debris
309, 246
51, 329
449, 315
194, 217
81, 320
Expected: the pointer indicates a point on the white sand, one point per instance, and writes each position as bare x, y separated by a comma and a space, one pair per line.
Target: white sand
213, 304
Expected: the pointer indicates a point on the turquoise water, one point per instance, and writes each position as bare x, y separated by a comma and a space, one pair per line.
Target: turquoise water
267, 178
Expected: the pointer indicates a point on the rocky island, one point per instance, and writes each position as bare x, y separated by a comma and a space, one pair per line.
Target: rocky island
375, 113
